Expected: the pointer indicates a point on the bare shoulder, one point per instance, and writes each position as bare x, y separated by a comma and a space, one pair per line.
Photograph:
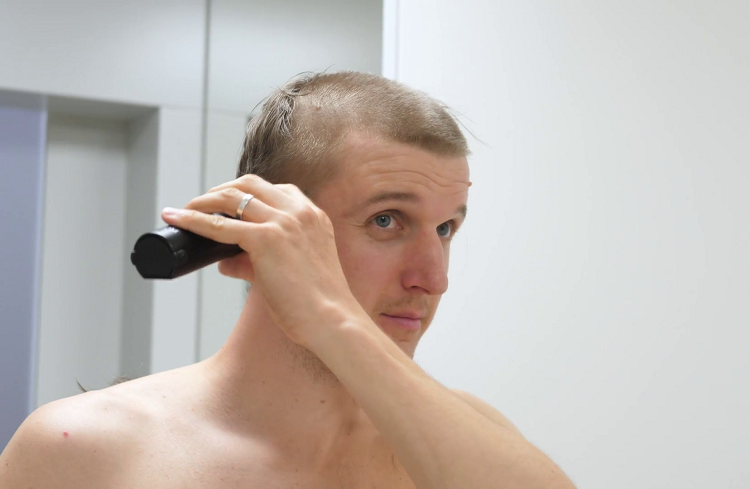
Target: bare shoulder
80, 441
487, 410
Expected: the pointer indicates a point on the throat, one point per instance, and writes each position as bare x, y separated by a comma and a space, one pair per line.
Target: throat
278, 391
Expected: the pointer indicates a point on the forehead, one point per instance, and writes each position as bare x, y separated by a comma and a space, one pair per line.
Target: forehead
368, 166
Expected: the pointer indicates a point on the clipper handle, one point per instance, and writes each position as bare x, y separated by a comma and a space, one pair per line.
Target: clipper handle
171, 252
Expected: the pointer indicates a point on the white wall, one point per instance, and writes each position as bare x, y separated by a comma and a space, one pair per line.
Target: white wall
257, 45
138, 52
599, 291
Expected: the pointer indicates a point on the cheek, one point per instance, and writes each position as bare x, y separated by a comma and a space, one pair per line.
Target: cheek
369, 272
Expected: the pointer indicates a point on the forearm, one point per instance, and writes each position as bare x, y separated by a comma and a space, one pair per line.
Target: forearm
442, 441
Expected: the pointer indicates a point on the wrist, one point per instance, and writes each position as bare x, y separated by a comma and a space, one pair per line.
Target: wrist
337, 321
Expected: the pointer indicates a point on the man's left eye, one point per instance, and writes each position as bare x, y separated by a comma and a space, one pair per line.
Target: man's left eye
445, 230
383, 220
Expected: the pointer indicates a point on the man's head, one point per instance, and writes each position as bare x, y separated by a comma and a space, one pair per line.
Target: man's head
388, 166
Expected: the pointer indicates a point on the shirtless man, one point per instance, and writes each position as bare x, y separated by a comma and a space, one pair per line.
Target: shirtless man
316, 387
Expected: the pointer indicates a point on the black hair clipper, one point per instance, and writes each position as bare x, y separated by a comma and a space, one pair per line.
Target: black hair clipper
171, 252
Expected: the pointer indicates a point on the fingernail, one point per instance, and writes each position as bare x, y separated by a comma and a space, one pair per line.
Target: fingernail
172, 212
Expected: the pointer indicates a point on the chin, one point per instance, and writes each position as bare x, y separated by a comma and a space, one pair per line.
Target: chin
407, 347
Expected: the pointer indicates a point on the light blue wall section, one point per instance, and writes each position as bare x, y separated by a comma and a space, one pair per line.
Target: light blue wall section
23, 126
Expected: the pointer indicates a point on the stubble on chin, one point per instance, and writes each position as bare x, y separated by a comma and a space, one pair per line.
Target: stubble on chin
305, 361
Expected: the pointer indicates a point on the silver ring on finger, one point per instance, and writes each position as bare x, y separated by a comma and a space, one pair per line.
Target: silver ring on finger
243, 203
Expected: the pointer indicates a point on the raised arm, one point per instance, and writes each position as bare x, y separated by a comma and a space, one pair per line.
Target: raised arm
443, 438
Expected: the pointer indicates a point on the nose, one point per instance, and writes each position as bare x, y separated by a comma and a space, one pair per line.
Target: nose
426, 265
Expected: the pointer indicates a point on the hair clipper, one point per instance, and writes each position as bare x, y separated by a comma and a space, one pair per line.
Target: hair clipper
171, 252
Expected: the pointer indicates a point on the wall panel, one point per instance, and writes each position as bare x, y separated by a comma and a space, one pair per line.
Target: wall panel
136, 52
23, 128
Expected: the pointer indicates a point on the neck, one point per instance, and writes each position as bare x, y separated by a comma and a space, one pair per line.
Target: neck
264, 385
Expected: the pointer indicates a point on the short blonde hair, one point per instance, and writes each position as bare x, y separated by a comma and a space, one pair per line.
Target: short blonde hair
302, 125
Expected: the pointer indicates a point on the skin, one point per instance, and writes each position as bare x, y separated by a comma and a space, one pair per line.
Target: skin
316, 386
395, 252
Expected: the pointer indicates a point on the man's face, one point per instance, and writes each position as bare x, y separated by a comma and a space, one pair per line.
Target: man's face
395, 209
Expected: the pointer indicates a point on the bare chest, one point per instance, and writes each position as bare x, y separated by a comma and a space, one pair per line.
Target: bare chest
263, 478
199, 465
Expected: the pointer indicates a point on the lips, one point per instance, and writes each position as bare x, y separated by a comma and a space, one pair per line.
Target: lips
406, 314
404, 320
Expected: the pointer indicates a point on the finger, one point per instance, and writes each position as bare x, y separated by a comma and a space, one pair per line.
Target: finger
261, 189
212, 226
294, 192
300, 204
227, 200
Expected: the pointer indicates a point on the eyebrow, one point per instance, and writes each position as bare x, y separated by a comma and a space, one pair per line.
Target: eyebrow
403, 197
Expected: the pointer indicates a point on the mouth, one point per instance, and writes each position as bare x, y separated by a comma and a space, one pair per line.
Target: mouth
406, 322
